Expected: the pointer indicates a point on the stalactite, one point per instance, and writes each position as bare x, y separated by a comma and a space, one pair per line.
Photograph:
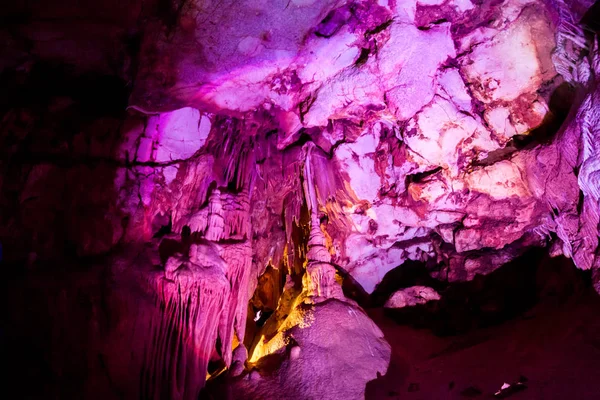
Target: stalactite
222, 243
194, 189
238, 258
192, 295
197, 222
216, 224
236, 213
329, 185
235, 158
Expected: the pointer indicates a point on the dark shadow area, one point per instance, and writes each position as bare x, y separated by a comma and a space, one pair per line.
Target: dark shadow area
46, 320
92, 94
420, 177
170, 246
410, 273
57, 228
51, 115
534, 320
591, 19
332, 23
491, 299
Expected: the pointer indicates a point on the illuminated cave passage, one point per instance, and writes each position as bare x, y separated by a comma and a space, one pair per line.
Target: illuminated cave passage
300, 199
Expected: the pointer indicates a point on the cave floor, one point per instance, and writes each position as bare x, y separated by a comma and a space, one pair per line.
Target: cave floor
555, 346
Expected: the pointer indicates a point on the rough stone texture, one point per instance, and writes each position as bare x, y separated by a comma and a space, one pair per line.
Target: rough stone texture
320, 139
311, 344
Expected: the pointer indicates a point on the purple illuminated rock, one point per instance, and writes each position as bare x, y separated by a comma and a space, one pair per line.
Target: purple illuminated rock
311, 139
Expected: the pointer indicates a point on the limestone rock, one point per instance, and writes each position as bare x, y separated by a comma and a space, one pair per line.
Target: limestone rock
412, 296
311, 343
210, 153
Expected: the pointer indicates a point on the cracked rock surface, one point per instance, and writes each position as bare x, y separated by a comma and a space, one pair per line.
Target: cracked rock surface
231, 166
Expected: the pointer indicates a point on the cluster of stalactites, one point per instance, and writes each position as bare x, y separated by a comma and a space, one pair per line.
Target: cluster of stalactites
226, 251
227, 217
219, 270
193, 294
236, 210
577, 59
238, 259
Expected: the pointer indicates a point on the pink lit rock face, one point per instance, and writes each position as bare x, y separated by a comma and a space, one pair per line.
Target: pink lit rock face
385, 110
308, 346
317, 139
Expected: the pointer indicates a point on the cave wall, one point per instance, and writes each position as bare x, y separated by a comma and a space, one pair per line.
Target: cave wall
184, 148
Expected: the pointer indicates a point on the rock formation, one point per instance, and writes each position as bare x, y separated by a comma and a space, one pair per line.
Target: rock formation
412, 296
299, 143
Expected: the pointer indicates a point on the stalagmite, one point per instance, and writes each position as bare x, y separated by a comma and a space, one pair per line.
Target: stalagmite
320, 274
